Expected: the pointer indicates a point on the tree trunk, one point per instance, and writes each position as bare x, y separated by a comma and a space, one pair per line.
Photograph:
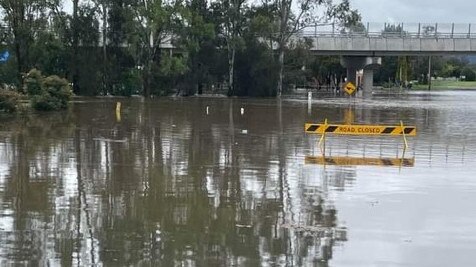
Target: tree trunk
281, 72
104, 47
18, 25
231, 62
20, 60
285, 9
75, 47
148, 75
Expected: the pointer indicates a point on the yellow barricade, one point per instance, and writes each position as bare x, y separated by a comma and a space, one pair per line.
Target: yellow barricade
351, 129
359, 129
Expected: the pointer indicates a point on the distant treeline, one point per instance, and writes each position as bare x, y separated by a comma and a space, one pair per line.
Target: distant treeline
401, 70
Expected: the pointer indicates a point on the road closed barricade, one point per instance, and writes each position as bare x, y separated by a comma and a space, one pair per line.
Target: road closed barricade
366, 130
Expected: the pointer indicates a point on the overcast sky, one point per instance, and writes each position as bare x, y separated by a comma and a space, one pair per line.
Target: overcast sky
458, 11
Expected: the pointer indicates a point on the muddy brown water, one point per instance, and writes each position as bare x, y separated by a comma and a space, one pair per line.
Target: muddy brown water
237, 182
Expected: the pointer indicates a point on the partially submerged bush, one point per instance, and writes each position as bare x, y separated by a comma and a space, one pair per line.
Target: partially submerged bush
9, 100
33, 82
50, 93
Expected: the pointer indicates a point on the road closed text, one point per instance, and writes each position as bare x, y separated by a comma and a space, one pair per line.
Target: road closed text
358, 130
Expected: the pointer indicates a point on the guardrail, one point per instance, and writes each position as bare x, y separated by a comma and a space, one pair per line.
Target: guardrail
393, 30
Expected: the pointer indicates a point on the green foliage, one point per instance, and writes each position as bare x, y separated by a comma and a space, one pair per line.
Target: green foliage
453, 68
33, 83
9, 71
58, 88
385, 74
9, 100
349, 18
257, 71
173, 66
403, 70
47, 93
117, 47
129, 84
469, 74
297, 72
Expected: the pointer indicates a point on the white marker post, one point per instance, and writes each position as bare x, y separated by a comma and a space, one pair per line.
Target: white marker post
309, 102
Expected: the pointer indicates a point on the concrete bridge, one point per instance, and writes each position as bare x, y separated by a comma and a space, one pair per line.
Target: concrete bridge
363, 47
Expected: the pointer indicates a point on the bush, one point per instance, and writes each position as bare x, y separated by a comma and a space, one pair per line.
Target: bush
50, 93
9, 100
32, 82
388, 85
58, 89
469, 74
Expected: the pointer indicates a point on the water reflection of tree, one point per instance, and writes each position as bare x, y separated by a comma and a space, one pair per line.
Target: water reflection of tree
183, 188
162, 208
32, 145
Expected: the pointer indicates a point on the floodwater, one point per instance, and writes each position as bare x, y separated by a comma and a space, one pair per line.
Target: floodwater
237, 182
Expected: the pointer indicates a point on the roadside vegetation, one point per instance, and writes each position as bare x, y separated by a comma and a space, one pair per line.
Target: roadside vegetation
154, 48
44, 93
9, 100
452, 84
412, 71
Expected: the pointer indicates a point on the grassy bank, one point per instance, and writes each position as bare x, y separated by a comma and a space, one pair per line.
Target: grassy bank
447, 85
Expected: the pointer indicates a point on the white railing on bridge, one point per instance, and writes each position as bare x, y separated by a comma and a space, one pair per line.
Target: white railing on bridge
398, 30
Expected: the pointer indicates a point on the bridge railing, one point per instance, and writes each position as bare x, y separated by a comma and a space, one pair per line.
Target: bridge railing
393, 30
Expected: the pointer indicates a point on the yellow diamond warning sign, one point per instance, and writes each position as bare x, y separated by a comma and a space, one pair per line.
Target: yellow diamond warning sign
349, 88
360, 129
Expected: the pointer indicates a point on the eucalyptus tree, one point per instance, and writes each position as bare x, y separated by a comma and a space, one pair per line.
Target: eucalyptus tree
290, 23
120, 73
196, 35
75, 45
256, 68
230, 19
307, 12
22, 17
102, 9
153, 22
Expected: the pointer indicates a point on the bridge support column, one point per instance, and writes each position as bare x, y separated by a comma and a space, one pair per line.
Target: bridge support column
368, 83
352, 75
368, 64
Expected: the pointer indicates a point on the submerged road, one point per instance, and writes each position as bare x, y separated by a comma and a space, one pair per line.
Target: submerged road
219, 182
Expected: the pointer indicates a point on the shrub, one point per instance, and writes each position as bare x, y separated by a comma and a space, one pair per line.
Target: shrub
59, 89
32, 82
469, 74
9, 100
50, 93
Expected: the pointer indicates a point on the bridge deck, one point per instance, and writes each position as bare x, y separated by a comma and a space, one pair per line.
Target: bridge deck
395, 39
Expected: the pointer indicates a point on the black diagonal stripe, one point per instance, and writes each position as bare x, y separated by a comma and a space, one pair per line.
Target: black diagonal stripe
312, 128
407, 163
331, 129
388, 130
387, 162
330, 161
408, 130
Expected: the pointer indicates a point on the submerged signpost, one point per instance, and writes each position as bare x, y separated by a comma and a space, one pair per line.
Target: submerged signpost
350, 88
